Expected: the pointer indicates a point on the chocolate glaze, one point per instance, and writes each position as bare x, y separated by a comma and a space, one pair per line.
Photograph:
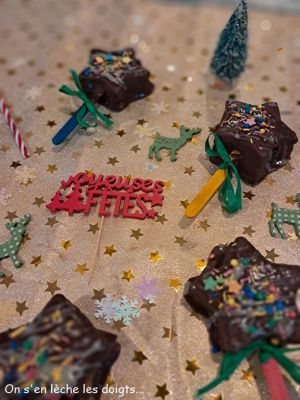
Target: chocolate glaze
115, 78
59, 337
234, 327
263, 141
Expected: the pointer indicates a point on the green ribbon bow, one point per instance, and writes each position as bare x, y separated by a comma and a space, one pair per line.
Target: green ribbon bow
230, 199
87, 104
231, 362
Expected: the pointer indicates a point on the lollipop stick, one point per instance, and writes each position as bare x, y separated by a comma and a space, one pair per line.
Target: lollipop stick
206, 193
69, 126
275, 382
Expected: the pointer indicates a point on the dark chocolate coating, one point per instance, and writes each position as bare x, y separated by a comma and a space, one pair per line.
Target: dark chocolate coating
60, 334
114, 83
264, 142
231, 328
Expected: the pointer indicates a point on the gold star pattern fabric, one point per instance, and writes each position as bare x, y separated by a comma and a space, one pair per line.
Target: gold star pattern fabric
86, 260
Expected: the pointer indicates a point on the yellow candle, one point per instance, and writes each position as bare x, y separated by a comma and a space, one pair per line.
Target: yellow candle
206, 193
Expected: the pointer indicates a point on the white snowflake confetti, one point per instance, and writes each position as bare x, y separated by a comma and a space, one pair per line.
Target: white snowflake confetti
144, 131
4, 196
126, 310
25, 175
106, 308
150, 166
147, 289
33, 93
160, 108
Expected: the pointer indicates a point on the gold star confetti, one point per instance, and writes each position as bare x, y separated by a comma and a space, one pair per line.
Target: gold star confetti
11, 215
181, 99
65, 244
7, 280
196, 114
136, 233
51, 221
110, 250
161, 219
200, 264
162, 391
155, 257
247, 375
98, 294
40, 108
25, 238
81, 268
176, 124
184, 203
93, 228
4, 148
203, 224
192, 366
52, 168
175, 284
271, 254
169, 333
288, 167
51, 123
52, 287
180, 240
147, 305
15, 164
135, 148
128, 275
118, 325
139, 357
75, 155
98, 143
292, 236
218, 397
36, 260
141, 121
38, 201
121, 133
269, 180
168, 185
21, 307
248, 230
112, 161
268, 214
248, 195
189, 170
290, 200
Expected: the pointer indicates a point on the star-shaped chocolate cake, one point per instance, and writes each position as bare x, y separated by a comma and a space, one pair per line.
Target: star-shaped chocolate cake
256, 137
246, 297
115, 78
60, 347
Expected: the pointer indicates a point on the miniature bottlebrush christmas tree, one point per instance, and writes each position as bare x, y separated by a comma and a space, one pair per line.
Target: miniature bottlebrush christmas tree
230, 56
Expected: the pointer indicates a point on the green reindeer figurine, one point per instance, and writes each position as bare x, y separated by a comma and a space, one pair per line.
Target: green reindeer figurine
172, 144
11, 247
284, 216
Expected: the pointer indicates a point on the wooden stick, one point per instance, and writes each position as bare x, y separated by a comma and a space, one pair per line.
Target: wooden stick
274, 379
97, 246
68, 127
206, 193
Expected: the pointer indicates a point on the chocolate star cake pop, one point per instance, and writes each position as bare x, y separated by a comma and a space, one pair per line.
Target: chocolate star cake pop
246, 297
256, 135
59, 349
115, 78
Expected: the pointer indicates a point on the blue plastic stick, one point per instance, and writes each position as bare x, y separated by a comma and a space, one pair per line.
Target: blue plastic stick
69, 126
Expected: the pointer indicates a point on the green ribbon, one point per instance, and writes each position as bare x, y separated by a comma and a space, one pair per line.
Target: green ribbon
86, 102
231, 362
231, 199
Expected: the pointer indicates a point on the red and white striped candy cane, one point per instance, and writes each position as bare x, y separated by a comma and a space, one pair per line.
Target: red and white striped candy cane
13, 128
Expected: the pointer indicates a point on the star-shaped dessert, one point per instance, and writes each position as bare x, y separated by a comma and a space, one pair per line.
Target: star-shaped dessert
246, 297
262, 142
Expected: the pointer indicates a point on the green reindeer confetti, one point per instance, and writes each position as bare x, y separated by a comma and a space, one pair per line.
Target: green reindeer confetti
172, 144
11, 247
284, 216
